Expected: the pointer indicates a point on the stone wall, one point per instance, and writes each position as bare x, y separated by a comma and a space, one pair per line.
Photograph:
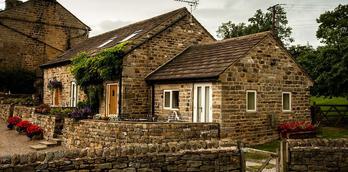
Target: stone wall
98, 134
317, 155
35, 32
24, 112
46, 122
5, 110
125, 159
256, 72
62, 74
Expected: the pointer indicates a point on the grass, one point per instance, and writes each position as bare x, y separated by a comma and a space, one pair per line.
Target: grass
333, 132
327, 100
271, 146
255, 156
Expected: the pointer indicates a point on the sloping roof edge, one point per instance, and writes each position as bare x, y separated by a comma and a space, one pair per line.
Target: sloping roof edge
67, 61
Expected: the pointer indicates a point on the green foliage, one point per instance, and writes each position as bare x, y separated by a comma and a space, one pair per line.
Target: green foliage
333, 132
332, 100
258, 23
17, 81
63, 112
90, 71
328, 64
106, 65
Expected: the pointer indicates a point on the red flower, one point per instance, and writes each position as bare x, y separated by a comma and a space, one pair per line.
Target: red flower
34, 130
23, 124
295, 127
14, 120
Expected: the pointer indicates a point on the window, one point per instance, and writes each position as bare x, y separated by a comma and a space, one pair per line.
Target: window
131, 35
251, 101
171, 99
286, 101
107, 42
73, 94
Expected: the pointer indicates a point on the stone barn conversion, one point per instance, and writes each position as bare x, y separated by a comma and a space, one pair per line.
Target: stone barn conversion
35, 32
247, 84
175, 70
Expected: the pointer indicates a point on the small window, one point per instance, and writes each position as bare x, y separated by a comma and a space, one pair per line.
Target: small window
251, 101
171, 99
286, 101
131, 35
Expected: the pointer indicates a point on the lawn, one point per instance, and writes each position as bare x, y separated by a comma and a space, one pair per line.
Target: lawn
327, 100
271, 146
333, 132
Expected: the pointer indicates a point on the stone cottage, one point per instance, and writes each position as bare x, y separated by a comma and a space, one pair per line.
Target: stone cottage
247, 84
35, 32
153, 42
176, 70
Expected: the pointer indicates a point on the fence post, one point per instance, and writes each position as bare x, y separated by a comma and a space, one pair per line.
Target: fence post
278, 160
242, 156
284, 156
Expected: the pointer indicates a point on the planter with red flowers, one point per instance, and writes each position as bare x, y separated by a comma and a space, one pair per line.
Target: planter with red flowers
297, 130
22, 126
13, 121
34, 132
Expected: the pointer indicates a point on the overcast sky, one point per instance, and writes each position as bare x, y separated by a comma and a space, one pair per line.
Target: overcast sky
105, 15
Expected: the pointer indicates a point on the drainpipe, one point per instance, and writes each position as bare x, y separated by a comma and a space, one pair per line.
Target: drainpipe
120, 96
153, 102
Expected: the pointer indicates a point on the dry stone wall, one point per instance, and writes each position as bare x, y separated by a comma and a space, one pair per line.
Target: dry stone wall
46, 122
269, 71
124, 159
317, 155
5, 110
99, 134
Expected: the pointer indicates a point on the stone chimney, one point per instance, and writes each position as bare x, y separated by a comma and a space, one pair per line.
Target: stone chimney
12, 3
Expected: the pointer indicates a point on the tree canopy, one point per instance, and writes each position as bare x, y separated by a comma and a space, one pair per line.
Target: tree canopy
328, 64
258, 23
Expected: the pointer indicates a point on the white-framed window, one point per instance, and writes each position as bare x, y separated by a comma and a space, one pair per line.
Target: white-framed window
286, 101
73, 94
251, 101
171, 99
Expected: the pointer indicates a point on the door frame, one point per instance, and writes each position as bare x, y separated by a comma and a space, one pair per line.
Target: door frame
194, 115
108, 98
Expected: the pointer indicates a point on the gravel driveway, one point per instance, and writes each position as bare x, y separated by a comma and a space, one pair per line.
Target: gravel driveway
13, 143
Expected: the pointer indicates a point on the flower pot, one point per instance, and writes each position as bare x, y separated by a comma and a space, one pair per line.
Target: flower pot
301, 135
10, 126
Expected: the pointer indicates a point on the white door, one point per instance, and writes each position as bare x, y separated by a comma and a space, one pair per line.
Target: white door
73, 94
202, 108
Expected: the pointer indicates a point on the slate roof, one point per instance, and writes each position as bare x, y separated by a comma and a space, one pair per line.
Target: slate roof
206, 61
146, 28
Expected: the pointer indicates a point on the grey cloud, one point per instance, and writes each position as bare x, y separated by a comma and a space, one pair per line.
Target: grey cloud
108, 25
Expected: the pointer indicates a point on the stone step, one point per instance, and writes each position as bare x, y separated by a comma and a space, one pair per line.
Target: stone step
49, 143
38, 147
57, 140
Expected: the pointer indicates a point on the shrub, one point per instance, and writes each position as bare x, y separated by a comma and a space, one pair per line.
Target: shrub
43, 109
34, 131
291, 127
22, 126
63, 112
81, 113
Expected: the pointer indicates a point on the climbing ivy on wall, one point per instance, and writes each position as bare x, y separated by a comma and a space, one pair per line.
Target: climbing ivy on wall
90, 71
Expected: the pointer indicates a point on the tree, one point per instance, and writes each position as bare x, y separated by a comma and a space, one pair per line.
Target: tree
258, 23
332, 79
